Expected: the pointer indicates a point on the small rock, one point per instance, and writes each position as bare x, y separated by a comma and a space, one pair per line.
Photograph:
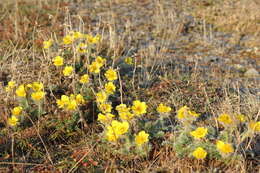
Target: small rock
251, 73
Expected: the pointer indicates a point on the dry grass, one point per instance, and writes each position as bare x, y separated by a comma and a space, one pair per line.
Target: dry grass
237, 17
153, 34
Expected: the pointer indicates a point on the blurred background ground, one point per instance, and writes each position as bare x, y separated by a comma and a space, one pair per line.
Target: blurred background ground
197, 52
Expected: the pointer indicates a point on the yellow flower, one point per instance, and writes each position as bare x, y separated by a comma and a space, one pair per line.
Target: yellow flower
101, 97
101, 61
111, 135
20, 91
105, 118
200, 132
72, 96
63, 101
58, 61
224, 147
105, 107
84, 79
91, 39
76, 34
193, 113
47, 44
94, 67
37, 86
17, 110
185, 112
72, 105
96, 39
124, 112
120, 127
38, 95
110, 116
60, 103
10, 86
67, 70
163, 109
116, 129
82, 48
80, 99
122, 108
225, 119
254, 126
102, 118
199, 153
111, 74
110, 88
139, 108
68, 39
12, 121
241, 118
126, 115
141, 138
182, 112
129, 60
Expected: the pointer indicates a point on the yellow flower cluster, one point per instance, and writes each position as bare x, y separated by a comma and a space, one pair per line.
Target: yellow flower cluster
116, 129
95, 66
17, 110
87, 39
105, 118
14, 119
37, 93
70, 103
82, 48
92, 39
124, 112
37, 90
71, 37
